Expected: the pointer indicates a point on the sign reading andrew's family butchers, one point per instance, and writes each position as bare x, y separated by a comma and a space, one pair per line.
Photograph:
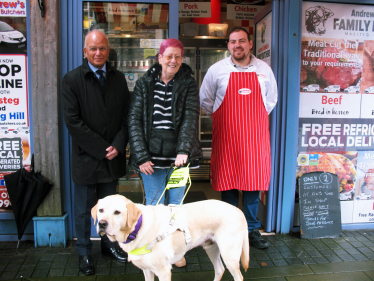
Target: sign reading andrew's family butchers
13, 8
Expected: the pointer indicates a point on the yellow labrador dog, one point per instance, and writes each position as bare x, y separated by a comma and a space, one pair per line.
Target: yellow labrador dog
147, 234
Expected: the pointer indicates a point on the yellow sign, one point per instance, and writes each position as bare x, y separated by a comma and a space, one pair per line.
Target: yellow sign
149, 53
179, 177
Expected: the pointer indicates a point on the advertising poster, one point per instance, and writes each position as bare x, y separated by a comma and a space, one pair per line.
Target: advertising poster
336, 117
263, 39
14, 115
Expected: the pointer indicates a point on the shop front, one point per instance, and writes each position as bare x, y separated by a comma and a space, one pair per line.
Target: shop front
321, 53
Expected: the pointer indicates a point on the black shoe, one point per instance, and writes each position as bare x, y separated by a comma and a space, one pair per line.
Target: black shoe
86, 265
116, 253
256, 240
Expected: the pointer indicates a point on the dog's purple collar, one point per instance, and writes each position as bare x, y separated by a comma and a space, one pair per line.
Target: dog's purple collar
133, 234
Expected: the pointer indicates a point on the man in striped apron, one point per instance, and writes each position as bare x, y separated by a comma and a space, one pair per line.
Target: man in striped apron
239, 92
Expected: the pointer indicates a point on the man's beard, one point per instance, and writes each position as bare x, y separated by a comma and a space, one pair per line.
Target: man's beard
241, 57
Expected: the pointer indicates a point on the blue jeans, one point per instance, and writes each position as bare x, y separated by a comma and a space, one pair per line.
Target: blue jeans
250, 205
152, 187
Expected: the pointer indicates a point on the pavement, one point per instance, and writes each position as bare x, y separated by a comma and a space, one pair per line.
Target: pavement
289, 257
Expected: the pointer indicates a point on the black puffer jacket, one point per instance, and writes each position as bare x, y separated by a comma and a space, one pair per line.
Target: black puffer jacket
185, 115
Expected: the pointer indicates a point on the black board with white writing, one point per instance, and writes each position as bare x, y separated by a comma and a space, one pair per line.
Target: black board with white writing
319, 203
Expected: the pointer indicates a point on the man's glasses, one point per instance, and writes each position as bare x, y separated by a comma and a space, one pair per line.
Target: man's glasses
94, 49
177, 58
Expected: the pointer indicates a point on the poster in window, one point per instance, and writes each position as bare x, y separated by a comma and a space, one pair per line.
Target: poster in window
263, 39
336, 128
14, 115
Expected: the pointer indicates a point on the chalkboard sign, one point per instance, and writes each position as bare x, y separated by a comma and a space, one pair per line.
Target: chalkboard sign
319, 205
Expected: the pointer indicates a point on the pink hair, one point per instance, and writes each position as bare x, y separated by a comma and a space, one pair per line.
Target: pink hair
171, 42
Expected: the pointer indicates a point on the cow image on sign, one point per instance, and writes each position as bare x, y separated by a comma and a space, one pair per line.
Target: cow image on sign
319, 203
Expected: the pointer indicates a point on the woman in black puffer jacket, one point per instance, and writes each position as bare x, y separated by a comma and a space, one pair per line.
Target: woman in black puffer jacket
163, 121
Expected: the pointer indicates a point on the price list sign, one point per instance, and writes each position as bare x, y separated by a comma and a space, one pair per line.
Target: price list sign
320, 215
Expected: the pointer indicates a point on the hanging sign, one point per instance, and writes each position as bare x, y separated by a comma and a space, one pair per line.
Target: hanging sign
242, 12
194, 9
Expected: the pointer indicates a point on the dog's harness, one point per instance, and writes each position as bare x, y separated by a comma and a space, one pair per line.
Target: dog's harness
177, 221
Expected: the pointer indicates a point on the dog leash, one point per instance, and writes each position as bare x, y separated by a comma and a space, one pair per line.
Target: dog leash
171, 166
179, 177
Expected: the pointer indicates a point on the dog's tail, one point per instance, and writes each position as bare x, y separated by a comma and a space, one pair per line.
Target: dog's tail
244, 257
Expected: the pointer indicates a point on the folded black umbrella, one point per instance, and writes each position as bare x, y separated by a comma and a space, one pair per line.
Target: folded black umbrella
27, 191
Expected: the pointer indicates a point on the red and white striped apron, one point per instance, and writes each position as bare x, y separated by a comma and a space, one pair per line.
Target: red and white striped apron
241, 141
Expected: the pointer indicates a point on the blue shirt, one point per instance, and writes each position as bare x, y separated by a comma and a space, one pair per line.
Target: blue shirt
93, 68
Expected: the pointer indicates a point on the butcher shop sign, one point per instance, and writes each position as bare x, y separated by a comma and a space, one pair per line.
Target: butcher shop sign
336, 116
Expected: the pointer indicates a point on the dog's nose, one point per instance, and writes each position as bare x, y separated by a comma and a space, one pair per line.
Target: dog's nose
103, 224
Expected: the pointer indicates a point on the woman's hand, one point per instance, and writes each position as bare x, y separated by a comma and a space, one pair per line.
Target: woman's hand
181, 160
146, 168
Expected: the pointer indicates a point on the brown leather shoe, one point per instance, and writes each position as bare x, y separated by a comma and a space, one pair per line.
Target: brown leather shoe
181, 262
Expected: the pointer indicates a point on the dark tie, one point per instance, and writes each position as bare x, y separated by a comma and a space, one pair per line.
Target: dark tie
101, 77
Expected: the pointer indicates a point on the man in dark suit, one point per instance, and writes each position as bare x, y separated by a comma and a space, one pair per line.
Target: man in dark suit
95, 100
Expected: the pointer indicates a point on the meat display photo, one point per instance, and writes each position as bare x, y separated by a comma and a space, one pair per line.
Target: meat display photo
364, 187
368, 68
331, 65
341, 164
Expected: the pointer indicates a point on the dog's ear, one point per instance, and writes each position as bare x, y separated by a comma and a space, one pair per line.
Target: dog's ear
94, 213
133, 214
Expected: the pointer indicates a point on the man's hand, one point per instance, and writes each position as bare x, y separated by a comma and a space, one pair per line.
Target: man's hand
181, 160
112, 152
146, 168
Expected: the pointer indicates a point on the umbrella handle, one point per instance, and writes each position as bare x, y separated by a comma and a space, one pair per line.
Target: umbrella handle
32, 167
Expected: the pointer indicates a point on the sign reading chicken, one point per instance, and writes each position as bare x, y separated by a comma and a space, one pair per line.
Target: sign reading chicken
336, 132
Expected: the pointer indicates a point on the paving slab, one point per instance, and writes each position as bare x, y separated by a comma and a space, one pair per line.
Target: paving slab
370, 274
342, 267
347, 276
